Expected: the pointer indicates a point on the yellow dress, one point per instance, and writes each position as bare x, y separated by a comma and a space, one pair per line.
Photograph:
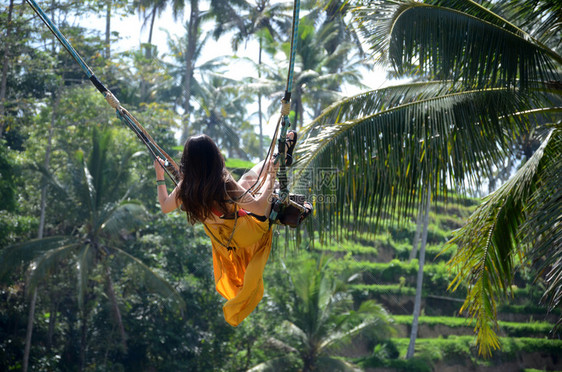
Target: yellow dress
239, 271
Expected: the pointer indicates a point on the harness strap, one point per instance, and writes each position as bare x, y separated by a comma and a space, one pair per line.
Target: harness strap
227, 245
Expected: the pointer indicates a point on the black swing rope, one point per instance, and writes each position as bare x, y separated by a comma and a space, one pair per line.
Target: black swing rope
283, 124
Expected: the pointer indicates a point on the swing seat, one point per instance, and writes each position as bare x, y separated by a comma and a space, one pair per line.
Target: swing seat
294, 213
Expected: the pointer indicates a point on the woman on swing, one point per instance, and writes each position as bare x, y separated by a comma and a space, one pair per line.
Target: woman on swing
235, 219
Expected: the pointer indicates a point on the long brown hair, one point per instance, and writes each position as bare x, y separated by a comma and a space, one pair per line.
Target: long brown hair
205, 180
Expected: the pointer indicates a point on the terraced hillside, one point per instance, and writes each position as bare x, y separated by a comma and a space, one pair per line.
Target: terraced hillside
445, 342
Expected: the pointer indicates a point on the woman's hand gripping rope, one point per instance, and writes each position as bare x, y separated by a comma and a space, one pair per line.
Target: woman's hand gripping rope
159, 164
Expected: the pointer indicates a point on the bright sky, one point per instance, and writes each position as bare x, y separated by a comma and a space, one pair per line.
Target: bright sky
132, 33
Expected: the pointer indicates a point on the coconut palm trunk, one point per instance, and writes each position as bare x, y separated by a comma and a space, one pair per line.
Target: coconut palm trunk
115, 308
416, 241
108, 29
5, 62
260, 118
417, 303
192, 35
30, 317
41, 229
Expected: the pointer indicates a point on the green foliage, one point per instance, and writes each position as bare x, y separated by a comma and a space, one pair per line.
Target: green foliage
457, 348
13, 224
437, 274
7, 180
511, 329
489, 246
238, 166
239, 163
441, 130
417, 364
318, 315
382, 289
91, 197
14, 227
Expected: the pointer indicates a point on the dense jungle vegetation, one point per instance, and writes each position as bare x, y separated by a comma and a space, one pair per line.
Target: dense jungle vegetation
436, 240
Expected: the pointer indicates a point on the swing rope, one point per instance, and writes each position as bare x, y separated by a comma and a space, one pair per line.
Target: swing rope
281, 129
284, 200
170, 166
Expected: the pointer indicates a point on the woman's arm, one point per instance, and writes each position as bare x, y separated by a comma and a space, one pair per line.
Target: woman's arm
259, 204
167, 202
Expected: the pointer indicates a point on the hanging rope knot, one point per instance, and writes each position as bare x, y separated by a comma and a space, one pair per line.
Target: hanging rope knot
285, 108
110, 98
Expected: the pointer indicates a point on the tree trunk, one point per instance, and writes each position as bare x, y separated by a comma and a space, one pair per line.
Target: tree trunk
259, 101
416, 241
30, 317
5, 62
150, 31
83, 338
144, 86
417, 303
108, 30
192, 36
41, 230
46, 163
115, 309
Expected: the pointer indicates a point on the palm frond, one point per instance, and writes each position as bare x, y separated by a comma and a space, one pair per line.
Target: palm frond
45, 264
326, 363
544, 221
383, 160
488, 248
87, 194
543, 18
458, 40
369, 102
49, 178
23, 253
295, 331
152, 280
96, 166
370, 316
125, 216
84, 265
273, 365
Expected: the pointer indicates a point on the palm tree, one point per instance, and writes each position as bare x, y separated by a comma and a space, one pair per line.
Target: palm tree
221, 114
482, 82
185, 66
319, 75
93, 245
336, 12
150, 9
319, 317
265, 21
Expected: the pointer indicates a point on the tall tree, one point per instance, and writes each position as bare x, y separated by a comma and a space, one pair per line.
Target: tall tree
263, 20
193, 32
319, 76
222, 115
151, 9
419, 281
42, 211
5, 65
392, 144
